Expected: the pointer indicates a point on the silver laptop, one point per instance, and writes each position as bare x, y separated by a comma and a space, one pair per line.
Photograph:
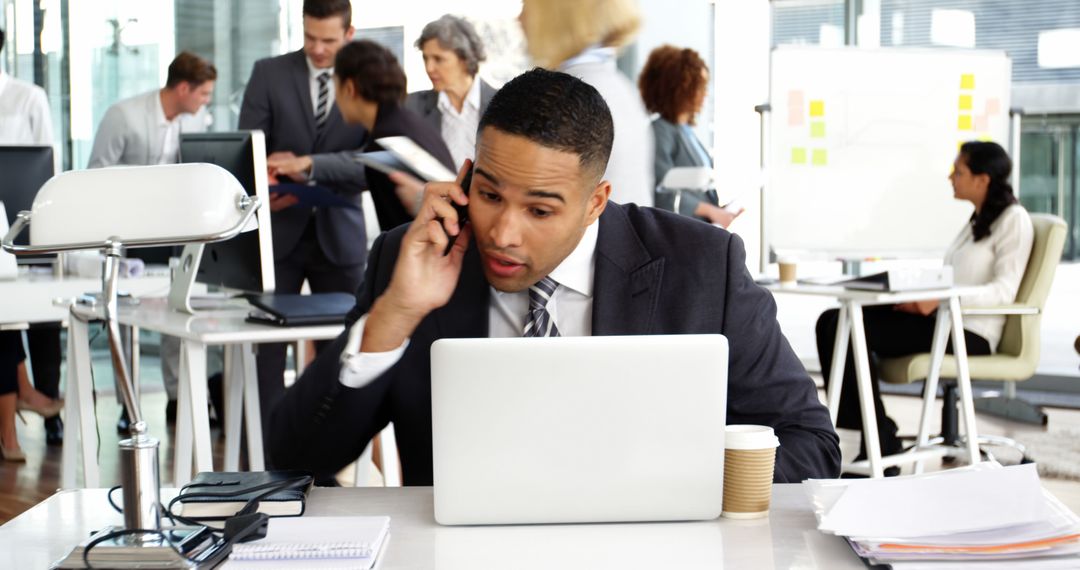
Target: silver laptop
578, 429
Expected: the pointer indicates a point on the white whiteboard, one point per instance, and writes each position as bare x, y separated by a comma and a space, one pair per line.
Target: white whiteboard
861, 143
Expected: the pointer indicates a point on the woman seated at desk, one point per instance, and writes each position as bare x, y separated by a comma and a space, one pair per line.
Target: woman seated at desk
992, 251
17, 394
673, 84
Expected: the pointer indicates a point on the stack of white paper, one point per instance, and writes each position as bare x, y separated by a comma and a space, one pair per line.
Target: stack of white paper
984, 514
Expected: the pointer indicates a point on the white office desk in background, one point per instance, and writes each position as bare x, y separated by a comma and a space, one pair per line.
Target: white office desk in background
850, 327
225, 325
788, 538
34, 298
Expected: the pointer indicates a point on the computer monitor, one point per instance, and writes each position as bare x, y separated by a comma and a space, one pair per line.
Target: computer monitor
25, 169
245, 262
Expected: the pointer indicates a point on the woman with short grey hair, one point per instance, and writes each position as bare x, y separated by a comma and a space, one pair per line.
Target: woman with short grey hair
452, 53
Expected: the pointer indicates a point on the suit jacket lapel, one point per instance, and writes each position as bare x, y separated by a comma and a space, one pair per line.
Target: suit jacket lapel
302, 82
431, 110
466, 314
627, 279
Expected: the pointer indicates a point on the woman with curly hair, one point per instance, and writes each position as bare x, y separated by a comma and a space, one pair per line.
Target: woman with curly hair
673, 85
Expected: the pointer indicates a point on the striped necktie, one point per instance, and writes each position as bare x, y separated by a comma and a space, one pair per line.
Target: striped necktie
322, 109
540, 322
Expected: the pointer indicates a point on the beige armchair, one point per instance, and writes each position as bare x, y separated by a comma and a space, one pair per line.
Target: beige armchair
1018, 353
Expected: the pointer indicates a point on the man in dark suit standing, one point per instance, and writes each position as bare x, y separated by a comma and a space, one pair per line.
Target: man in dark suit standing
543, 254
291, 99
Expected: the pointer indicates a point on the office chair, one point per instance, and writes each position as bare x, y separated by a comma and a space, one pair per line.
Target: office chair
1017, 354
112, 210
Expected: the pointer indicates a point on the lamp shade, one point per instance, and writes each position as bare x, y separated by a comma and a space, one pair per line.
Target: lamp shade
174, 202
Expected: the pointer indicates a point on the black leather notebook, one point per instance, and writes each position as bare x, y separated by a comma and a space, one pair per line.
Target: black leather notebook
219, 495
289, 310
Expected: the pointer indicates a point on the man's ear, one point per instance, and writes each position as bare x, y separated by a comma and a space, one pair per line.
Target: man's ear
349, 34
597, 201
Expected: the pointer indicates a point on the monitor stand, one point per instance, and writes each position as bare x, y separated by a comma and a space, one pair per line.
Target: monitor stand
183, 279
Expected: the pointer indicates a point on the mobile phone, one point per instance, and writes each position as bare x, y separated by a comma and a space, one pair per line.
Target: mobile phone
462, 211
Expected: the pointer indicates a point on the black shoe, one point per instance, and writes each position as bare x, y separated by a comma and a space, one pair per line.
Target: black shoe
123, 425
54, 430
170, 412
215, 390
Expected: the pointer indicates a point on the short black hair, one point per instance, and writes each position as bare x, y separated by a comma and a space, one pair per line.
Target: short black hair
1, 39
323, 9
557, 111
373, 70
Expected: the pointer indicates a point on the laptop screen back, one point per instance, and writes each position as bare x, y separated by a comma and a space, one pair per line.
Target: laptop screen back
578, 429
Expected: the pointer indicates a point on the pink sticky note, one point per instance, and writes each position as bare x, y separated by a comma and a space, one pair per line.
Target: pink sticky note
982, 123
796, 109
993, 106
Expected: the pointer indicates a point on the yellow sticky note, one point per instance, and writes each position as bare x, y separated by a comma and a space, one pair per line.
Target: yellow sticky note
820, 157
964, 124
965, 102
817, 108
967, 81
798, 155
817, 130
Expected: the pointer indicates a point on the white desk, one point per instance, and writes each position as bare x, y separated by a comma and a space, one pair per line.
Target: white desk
30, 298
850, 326
787, 539
225, 326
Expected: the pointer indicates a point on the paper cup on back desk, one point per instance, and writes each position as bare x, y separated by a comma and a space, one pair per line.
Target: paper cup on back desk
749, 457
787, 271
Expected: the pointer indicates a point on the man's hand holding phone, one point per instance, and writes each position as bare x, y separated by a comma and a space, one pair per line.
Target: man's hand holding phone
427, 268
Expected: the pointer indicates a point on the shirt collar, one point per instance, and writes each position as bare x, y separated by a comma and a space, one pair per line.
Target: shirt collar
314, 72
576, 271
593, 54
161, 111
472, 98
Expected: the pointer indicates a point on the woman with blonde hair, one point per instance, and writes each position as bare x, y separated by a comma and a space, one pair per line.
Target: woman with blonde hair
582, 38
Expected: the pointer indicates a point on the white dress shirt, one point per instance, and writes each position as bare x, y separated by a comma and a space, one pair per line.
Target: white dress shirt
996, 263
570, 308
459, 128
170, 136
24, 113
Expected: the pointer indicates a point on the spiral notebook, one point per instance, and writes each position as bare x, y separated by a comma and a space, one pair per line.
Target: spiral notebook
304, 542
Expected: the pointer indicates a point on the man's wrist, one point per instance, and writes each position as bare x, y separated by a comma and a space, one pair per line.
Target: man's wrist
389, 324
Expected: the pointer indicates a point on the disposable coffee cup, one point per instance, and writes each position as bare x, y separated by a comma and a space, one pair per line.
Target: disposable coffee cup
787, 271
749, 457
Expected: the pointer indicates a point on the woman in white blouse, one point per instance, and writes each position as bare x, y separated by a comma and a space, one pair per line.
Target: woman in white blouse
991, 252
452, 53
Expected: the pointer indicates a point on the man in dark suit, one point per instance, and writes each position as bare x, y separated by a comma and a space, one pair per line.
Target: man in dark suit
291, 99
543, 253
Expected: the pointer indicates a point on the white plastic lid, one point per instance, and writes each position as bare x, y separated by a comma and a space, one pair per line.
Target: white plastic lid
747, 436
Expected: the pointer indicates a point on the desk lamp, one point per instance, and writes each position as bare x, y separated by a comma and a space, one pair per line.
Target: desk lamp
111, 210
